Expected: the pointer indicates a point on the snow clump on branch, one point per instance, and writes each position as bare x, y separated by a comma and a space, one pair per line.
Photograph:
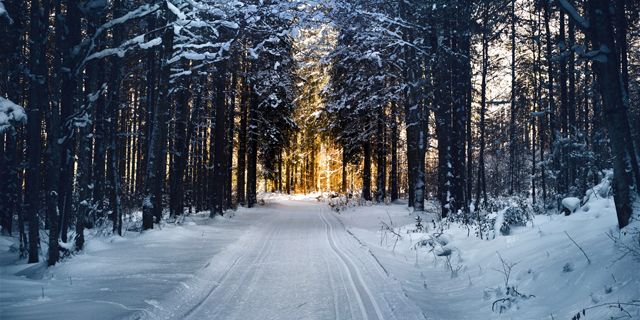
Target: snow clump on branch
10, 112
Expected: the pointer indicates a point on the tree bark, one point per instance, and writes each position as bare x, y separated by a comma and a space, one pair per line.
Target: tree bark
608, 77
381, 163
220, 159
366, 172
242, 139
183, 128
38, 101
252, 152
53, 163
113, 107
394, 152
69, 105
156, 169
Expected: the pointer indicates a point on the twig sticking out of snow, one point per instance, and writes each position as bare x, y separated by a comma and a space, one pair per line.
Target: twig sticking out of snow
506, 269
585, 254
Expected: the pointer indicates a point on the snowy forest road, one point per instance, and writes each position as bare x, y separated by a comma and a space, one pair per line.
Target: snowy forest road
301, 263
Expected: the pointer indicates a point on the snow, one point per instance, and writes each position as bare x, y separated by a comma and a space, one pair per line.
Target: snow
10, 112
465, 285
113, 276
293, 257
571, 203
3, 12
574, 13
151, 43
176, 11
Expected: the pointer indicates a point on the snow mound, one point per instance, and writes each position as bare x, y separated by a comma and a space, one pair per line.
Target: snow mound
571, 203
95, 246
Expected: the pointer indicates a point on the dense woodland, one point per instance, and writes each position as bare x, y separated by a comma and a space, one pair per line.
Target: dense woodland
180, 106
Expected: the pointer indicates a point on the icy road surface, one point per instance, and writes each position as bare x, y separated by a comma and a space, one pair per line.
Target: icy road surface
298, 262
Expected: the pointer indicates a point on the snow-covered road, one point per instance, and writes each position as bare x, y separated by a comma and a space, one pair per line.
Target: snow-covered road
301, 263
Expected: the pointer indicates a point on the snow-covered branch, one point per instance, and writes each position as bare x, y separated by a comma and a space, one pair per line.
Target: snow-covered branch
573, 13
10, 112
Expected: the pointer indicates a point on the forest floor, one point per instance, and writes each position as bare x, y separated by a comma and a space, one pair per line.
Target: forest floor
295, 258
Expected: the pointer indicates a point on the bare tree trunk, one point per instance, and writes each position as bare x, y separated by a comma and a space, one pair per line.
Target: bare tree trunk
563, 179
252, 152
552, 108
366, 172
113, 107
394, 152
242, 139
220, 160
230, 132
182, 140
381, 163
609, 80
69, 105
38, 101
53, 163
482, 182
155, 175
344, 171
621, 48
512, 124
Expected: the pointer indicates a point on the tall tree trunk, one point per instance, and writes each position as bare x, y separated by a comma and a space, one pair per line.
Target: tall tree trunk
220, 159
242, 138
552, 107
563, 179
156, 169
381, 163
411, 115
150, 102
69, 105
536, 121
572, 107
231, 130
38, 101
622, 50
512, 124
461, 43
482, 183
53, 163
99, 145
182, 140
614, 101
366, 172
252, 152
394, 153
344, 170
113, 107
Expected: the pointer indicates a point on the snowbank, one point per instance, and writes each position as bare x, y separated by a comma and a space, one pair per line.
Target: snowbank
115, 277
571, 203
533, 273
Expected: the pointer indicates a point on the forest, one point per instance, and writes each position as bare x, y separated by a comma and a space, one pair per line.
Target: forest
144, 111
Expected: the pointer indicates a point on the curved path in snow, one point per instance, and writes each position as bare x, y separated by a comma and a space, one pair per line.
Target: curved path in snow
299, 262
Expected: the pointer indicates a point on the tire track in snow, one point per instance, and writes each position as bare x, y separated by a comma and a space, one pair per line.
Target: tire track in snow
266, 237
365, 299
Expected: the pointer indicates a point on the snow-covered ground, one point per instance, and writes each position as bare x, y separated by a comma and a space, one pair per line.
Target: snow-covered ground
116, 277
553, 276
295, 258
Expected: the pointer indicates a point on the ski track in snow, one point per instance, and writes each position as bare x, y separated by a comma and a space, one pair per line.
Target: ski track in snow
300, 263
